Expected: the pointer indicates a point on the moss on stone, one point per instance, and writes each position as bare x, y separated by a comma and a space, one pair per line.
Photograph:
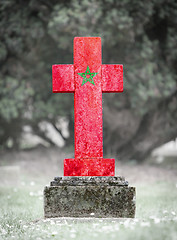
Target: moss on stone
80, 200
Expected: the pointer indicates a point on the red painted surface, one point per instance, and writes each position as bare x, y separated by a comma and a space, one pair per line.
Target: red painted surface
88, 99
89, 167
88, 78
112, 78
63, 78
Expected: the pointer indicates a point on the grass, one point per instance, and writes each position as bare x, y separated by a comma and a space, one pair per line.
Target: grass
21, 216
21, 202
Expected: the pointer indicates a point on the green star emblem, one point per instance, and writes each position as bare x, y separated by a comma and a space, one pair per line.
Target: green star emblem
87, 76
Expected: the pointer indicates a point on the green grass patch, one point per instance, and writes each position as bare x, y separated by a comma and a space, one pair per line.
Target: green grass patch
21, 216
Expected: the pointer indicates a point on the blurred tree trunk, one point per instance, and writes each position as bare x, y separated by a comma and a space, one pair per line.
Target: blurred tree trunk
137, 137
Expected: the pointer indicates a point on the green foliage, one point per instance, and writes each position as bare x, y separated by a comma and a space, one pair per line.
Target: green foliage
124, 27
36, 34
15, 95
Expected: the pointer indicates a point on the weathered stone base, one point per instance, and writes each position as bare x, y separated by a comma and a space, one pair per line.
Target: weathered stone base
89, 197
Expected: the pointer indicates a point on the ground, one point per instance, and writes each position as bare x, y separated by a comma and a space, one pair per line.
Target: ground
23, 176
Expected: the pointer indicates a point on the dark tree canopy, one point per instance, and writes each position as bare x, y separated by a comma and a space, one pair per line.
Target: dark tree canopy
141, 35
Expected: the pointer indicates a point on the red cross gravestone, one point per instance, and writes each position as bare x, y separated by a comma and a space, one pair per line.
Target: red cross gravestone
88, 187
88, 78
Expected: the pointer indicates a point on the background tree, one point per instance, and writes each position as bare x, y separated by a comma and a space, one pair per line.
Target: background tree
141, 35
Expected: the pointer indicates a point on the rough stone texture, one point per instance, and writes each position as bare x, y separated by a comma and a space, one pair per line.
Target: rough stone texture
91, 181
89, 197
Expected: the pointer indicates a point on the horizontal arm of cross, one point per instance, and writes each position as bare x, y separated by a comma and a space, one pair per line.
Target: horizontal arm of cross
112, 78
63, 78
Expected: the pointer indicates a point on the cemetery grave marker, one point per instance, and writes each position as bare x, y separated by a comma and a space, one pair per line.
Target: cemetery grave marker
89, 184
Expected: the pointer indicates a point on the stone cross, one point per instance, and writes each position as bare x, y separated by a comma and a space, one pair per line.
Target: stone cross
88, 78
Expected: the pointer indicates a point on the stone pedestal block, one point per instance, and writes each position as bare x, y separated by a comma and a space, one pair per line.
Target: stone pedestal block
89, 197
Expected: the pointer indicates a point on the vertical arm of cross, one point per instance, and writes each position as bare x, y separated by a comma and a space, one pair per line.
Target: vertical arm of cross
112, 78
63, 78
